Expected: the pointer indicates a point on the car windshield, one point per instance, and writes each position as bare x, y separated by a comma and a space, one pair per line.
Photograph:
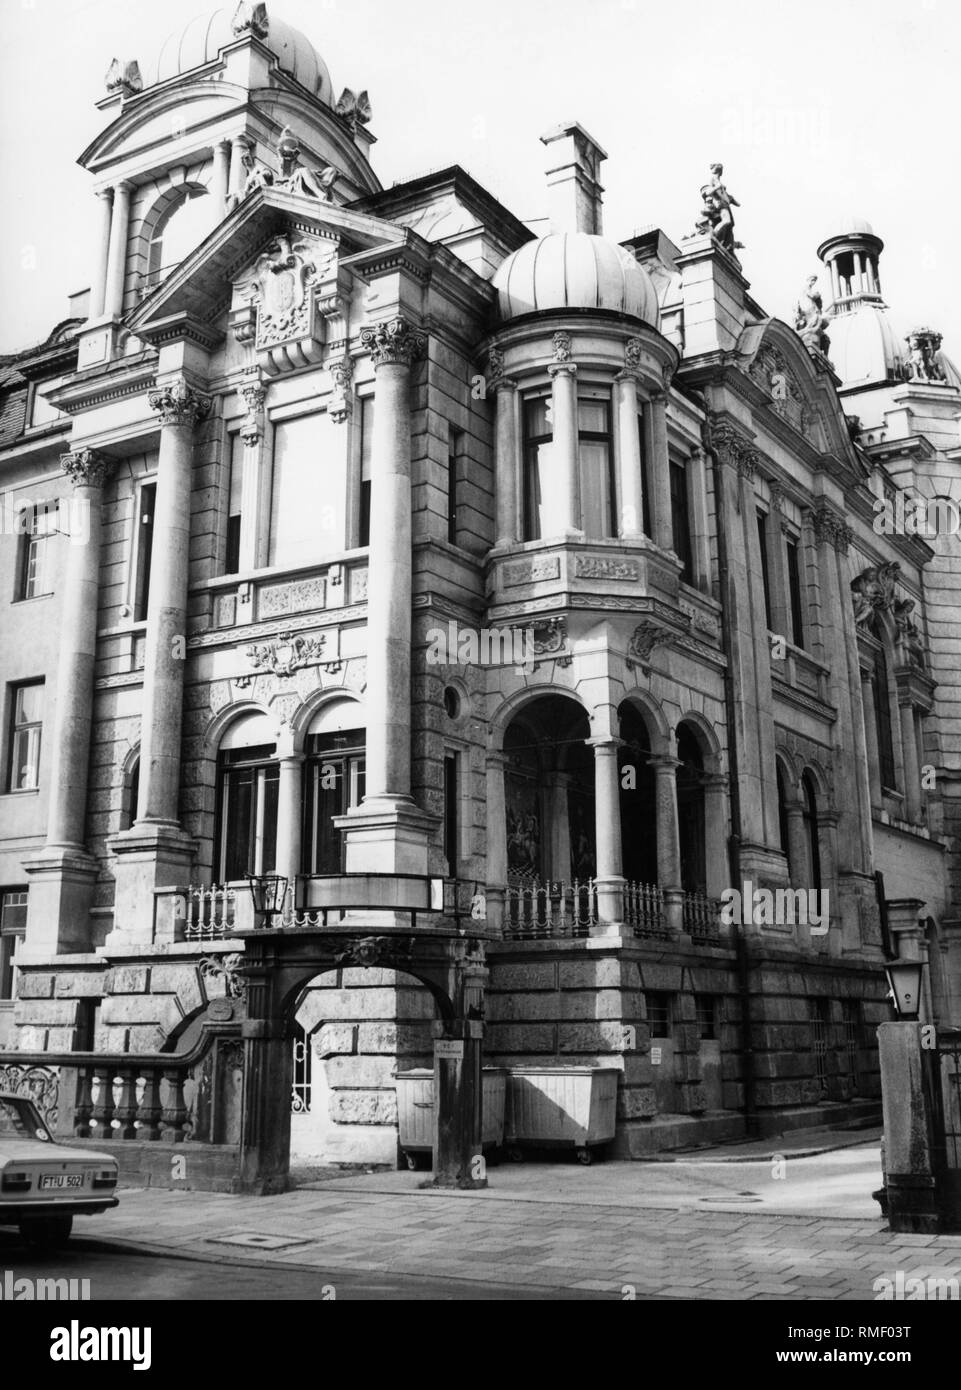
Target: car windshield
18, 1119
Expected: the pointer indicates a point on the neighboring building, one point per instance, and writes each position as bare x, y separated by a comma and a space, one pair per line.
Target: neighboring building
401, 541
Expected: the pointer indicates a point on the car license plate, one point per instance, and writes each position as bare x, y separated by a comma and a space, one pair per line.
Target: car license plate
60, 1180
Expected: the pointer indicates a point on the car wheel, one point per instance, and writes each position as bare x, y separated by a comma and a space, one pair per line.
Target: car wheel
46, 1232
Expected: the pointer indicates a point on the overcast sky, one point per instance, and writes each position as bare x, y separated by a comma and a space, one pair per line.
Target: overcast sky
818, 110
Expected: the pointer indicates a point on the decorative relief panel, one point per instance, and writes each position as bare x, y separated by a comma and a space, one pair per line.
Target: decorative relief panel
298, 597
532, 571
604, 567
286, 653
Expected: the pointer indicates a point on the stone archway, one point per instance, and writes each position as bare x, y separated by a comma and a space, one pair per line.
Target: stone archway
279, 963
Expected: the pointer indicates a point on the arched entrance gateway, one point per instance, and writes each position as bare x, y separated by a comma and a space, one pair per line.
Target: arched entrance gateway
281, 962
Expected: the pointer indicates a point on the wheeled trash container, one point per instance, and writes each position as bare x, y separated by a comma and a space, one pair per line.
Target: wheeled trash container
415, 1112
560, 1107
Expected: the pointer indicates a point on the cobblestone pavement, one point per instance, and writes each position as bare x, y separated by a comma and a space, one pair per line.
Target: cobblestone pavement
616, 1229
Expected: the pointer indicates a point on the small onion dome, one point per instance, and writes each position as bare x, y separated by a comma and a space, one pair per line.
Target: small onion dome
202, 39
574, 270
864, 347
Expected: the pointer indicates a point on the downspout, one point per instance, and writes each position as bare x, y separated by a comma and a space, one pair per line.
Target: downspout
734, 839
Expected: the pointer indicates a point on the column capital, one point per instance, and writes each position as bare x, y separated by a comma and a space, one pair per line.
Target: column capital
663, 762
179, 404
393, 342
124, 186
829, 527
562, 369
86, 467
603, 741
629, 375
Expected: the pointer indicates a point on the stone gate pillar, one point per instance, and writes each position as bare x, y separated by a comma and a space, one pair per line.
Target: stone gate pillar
458, 1079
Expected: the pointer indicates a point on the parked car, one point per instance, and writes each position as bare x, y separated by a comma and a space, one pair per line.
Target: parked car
43, 1184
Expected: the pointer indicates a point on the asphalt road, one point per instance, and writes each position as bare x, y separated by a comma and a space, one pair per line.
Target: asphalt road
122, 1275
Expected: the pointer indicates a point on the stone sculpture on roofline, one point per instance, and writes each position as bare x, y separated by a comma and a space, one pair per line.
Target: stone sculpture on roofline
717, 218
809, 317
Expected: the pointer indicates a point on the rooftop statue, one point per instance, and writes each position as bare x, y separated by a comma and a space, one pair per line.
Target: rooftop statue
125, 75
294, 178
922, 361
717, 219
809, 318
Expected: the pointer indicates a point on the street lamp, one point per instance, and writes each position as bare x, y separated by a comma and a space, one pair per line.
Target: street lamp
904, 978
268, 892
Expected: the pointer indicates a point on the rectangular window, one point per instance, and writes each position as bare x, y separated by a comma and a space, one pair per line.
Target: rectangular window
249, 785
453, 465
765, 568
882, 718
42, 410
234, 503
451, 819
681, 521
538, 443
596, 467
309, 491
39, 525
13, 927
26, 714
820, 1015
334, 783
366, 444
658, 1005
795, 592
705, 1013
144, 550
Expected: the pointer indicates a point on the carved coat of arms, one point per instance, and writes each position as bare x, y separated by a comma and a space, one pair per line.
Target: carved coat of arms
282, 294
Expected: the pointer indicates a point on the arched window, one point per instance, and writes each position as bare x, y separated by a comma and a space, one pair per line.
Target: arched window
334, 783
131, 794
179, 230
248, 780
782, 817
811, 828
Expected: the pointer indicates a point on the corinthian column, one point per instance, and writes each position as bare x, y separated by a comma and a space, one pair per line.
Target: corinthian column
117, 261
505, 459
88, 471
180, 408
381, 832
565, 508
63, 873
630, 509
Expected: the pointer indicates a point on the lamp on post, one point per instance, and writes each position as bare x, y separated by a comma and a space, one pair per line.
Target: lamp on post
268, 892
904, 978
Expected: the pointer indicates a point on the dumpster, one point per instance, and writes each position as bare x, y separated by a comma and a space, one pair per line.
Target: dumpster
560, 1107
415, 1112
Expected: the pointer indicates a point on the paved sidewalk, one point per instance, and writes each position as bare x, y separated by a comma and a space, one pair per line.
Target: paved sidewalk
644, 1228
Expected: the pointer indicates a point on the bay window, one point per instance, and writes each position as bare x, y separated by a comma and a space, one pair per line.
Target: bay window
538, 443
595, 467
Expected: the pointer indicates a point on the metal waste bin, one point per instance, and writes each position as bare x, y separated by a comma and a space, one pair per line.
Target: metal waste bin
415, 1111
560, 1107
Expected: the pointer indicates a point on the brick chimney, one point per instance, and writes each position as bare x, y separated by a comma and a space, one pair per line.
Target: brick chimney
574, 189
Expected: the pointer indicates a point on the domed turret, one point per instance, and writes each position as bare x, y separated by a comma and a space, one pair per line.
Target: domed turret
574, 270
203, 38
864, 346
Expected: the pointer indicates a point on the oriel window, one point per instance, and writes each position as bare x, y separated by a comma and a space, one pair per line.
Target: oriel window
596, 467
538, 444
681, 520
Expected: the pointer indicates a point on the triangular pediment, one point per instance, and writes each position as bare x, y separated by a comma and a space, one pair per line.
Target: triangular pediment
201, 287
